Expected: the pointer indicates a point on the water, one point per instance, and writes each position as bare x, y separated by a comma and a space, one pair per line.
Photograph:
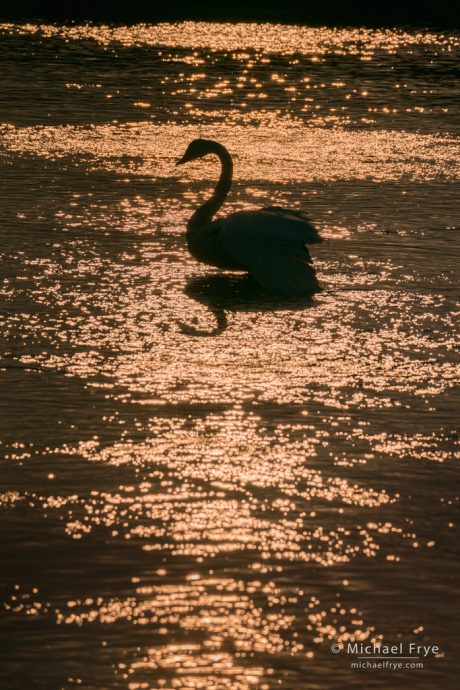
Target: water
201, 488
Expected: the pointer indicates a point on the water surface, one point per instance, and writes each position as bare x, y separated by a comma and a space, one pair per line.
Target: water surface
202, 487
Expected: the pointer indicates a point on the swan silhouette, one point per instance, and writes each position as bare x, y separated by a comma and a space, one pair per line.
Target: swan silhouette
270, 243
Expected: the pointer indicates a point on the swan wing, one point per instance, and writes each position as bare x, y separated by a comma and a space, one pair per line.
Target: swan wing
271, 246
296, 220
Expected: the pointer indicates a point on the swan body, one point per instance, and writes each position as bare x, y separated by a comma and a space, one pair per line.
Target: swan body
269, 243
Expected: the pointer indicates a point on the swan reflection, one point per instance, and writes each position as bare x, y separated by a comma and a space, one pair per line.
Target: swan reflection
223, 293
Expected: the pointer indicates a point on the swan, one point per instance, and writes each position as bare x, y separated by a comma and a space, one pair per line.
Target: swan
269, 244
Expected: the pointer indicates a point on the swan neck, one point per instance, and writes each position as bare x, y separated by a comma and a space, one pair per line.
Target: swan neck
222, 187
205, 213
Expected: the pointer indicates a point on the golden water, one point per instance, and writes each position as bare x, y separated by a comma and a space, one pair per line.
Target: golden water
200, 488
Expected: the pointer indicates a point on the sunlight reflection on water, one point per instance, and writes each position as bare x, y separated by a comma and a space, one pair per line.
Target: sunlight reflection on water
214, 512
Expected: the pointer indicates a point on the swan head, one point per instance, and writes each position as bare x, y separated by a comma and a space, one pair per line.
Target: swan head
197, 149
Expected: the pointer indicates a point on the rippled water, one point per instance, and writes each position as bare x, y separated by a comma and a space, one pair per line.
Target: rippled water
202, 487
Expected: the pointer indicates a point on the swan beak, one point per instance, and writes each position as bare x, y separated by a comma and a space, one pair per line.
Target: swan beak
182, 160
